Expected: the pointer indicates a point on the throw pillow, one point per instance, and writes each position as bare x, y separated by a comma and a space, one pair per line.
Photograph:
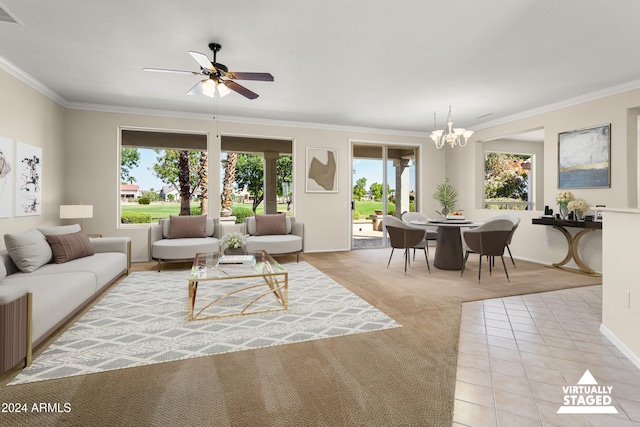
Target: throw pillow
67, 247
60, 229
271, 224
187, 226
28, 250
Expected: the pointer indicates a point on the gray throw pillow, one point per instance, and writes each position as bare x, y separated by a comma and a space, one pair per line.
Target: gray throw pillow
28, 250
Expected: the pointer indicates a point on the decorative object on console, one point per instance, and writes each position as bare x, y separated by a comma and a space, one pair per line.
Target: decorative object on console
454, 136
563, 198
583, 158
579, 206
76, 211
447, 195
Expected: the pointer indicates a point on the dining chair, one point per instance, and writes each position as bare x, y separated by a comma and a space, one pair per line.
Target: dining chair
432, 233
515, 221
490, 240
404, 236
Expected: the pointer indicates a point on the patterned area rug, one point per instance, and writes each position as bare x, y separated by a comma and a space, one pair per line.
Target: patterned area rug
143, 321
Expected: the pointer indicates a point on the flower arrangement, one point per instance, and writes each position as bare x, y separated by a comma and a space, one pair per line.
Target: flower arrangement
577, 205
233, 240
447, 195
564, 197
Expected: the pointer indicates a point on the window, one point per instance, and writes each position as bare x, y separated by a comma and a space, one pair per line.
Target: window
507, 181
157, 169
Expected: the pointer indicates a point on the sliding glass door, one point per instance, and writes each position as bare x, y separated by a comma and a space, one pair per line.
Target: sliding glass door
384, 183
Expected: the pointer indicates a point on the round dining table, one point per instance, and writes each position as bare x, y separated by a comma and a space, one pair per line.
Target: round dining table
449, 253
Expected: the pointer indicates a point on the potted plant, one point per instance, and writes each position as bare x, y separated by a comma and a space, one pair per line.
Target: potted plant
233, 243
447, 195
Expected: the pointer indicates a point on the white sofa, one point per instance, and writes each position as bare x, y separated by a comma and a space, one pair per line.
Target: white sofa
289, 241
164, 245
36, 302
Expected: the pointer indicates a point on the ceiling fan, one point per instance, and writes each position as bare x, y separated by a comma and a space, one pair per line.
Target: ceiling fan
218, 76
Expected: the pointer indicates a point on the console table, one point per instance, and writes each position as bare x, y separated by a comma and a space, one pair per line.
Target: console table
572, 241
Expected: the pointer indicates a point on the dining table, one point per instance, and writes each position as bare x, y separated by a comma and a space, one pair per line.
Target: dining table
449, 252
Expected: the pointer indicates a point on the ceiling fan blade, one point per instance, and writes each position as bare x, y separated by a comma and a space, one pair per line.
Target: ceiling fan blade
264, 77
197, 89
203, 61
240, 89
162, 70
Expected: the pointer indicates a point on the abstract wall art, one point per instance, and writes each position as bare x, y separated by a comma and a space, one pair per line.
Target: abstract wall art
322, 170
28, 167
583, 158
6, 183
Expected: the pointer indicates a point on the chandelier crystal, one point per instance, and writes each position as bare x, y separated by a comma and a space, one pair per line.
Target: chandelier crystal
453, 137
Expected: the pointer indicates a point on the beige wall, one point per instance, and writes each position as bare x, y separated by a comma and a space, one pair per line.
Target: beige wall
32, 118
621, 316
92, 141
543, 244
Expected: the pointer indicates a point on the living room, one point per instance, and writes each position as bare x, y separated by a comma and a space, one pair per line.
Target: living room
80, 151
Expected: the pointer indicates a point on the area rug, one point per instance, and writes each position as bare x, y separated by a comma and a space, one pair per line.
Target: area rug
143, 321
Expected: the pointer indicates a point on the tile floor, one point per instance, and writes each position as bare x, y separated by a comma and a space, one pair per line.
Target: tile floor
516, 353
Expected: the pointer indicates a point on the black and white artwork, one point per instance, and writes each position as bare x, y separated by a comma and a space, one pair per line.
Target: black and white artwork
6, 185
28, 167
322, 170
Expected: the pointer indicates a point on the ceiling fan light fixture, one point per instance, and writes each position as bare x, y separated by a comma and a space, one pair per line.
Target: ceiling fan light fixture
223, 90
209, 88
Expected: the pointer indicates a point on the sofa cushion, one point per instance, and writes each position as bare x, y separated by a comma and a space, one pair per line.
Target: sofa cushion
188, 226
28, 250
67, 247
178, 249
60, 229
274, 244
54, 295
271, 224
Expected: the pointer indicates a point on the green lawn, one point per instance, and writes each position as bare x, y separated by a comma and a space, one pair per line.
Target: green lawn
159, 210
367, 207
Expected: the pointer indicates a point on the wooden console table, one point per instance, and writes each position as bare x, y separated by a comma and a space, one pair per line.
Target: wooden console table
572, 241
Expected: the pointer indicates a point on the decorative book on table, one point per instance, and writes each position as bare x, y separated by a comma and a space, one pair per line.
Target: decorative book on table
237, 260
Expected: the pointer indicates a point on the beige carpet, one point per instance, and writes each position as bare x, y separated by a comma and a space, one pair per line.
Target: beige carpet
403, 376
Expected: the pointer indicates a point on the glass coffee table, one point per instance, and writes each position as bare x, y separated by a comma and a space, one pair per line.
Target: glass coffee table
235, 285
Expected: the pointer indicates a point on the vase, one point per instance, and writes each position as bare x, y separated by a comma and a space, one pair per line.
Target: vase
564, 211
579, 216
234, 251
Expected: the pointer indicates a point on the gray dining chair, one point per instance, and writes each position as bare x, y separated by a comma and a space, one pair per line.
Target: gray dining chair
404, 236
432, 232
515, 221
490, 240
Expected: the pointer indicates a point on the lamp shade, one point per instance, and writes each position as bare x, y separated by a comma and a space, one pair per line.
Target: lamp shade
76, 211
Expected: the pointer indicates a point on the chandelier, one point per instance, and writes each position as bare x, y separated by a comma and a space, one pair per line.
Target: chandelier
454, 136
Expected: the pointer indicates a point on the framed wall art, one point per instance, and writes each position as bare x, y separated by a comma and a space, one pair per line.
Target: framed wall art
584, 158
28, 167
6, 183
322, 170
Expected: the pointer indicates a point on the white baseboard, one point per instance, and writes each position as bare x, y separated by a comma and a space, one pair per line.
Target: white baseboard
620, 346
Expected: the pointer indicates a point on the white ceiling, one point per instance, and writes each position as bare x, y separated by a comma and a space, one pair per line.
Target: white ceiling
360, 63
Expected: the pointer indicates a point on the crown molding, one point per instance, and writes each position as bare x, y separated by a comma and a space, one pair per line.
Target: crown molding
237, 119
615, 90
30, 81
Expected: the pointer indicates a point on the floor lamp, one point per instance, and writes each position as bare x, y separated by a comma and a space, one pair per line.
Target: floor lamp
76, 212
